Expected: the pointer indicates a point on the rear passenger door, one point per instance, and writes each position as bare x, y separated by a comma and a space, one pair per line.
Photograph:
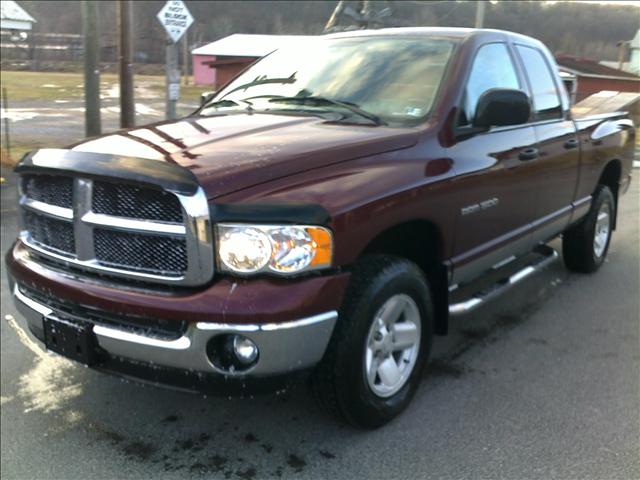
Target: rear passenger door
495, 197
555, 170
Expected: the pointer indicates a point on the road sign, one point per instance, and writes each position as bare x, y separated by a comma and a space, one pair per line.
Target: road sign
175, 18
174, 91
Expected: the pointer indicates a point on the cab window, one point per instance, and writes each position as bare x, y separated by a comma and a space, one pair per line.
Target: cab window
546, 101
492, 68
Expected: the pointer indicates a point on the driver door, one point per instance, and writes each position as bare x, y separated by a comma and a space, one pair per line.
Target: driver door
495, 194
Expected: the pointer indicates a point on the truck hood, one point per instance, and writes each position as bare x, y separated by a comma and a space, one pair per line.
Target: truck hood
228, 153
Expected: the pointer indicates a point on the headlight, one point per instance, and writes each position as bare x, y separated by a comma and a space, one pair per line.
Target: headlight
244, 250
280, 249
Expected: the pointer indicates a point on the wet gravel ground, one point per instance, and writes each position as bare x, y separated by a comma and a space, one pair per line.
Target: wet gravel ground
543, 383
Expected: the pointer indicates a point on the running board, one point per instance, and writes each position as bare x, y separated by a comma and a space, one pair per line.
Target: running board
547, 256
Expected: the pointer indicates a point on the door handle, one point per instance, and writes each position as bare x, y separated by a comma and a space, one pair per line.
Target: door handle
569, 144
528, 154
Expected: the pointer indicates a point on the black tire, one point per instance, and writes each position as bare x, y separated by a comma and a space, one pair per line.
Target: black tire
578, 249
339, 382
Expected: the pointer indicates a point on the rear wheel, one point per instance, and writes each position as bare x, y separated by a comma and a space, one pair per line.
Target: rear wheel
585, 246
374, 361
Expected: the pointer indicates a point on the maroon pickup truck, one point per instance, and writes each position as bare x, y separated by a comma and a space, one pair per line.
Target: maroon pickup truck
325, 213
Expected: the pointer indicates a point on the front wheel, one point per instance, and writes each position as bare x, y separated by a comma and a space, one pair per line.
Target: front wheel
374, 361
585, 246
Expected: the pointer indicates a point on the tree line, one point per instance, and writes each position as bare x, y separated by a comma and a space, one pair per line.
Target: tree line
582, 29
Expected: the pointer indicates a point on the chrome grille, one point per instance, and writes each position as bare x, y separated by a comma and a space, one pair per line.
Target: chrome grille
49, 189
134, 202
118, 229
147, 253
51, 233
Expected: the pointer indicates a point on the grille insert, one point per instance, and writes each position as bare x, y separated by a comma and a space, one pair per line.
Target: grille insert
56, 191
51, 234
135, 202
149, 253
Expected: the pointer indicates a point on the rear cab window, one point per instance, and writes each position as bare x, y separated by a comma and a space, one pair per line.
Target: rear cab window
546, 100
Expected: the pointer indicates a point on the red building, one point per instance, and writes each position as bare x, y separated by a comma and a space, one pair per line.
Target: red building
592, 77
218, 62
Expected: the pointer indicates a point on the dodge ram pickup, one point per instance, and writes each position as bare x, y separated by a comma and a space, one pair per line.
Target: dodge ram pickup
323, 215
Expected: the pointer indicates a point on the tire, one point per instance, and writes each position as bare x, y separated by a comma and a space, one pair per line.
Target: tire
585, 245
341, 382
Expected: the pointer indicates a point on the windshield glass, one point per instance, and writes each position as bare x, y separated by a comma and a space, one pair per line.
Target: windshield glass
395, 79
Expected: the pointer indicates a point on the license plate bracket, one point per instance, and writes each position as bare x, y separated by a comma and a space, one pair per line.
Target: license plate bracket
72, 339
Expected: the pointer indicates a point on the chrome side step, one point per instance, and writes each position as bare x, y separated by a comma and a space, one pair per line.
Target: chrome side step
547, 256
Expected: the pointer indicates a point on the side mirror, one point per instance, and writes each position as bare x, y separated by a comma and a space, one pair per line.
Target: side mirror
499, 107
205, 97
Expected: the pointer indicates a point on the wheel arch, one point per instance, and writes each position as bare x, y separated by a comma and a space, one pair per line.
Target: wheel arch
419, 241
610, 177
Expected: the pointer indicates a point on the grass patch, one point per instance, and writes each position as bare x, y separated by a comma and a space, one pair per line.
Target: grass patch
51, 86
48, 86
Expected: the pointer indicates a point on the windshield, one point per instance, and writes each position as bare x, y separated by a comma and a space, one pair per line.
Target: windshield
394, 79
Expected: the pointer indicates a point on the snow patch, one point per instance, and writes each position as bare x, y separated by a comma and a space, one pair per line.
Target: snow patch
143, 109
19, 114
49, 385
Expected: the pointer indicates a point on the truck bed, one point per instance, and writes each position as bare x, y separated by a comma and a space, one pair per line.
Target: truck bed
606, 103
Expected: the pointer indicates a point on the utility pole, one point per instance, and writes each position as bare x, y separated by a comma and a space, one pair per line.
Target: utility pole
622, 53
480, 5
89, 12
125, 57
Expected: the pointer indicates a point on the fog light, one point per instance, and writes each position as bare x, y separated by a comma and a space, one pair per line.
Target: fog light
244, 349
232, 353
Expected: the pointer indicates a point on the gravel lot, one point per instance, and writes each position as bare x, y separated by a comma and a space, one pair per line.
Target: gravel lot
541, 384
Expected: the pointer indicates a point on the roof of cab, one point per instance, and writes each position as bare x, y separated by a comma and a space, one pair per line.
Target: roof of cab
401, 31
450, 32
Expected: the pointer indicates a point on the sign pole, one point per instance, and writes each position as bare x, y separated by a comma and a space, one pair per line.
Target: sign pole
185, 57
176, 19
172, 80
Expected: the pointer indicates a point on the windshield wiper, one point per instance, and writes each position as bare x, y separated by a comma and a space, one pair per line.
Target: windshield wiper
319, 100
264, 80
228, 103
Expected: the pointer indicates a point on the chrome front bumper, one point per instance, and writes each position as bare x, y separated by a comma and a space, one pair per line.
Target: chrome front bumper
284, 347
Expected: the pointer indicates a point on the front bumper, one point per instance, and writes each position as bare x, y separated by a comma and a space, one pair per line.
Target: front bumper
290, 337
284, 347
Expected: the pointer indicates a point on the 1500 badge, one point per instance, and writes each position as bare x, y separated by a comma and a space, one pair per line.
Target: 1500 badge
476, 207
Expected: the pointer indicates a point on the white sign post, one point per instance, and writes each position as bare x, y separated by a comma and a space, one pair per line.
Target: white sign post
176, 19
